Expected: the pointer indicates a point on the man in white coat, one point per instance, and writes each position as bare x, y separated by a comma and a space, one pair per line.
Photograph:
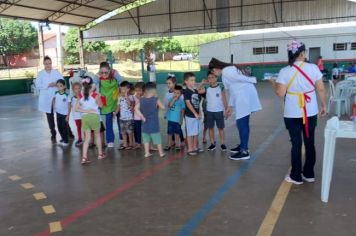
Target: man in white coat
46, 83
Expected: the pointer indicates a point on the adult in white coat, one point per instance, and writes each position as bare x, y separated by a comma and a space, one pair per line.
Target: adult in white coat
46, 83
243, 100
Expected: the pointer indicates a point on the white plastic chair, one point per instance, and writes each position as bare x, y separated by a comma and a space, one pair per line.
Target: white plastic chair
338, 97
334, 129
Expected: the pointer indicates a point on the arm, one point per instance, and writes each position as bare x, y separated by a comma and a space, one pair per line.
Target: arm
319, 86
171, 103
280, 89
138, 112
223, 94
191, 108
69, 110
182, 113
160, 105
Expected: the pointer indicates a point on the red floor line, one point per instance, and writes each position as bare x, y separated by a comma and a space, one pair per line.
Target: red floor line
109, 196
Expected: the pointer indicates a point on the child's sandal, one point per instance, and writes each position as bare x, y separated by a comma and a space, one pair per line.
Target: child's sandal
148, 155
101, 156
85, 160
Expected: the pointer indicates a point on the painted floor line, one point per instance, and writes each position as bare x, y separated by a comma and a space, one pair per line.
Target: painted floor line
198, 217
109, 196
272, 216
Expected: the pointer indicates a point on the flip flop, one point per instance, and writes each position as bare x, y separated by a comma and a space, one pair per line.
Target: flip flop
85, 160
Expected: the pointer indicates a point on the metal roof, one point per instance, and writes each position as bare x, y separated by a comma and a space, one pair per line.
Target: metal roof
68, 12
179, 17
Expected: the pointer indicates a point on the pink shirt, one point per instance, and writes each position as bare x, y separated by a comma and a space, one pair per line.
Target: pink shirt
136, 116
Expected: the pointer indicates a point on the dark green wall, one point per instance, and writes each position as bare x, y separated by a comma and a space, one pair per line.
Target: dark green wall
14, 86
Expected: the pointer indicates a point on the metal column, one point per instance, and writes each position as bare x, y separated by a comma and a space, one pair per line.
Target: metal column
40, 44
81, 49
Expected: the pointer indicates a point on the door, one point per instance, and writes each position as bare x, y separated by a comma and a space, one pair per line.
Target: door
314, 54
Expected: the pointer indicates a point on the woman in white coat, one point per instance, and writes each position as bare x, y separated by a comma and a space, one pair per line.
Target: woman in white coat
46, 83
243, 99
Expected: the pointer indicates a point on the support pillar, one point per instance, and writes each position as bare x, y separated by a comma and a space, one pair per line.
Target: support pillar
60, 63
81, 49
40, 44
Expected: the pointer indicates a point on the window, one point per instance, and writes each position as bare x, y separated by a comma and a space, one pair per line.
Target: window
258, 51
353, 46
271, 50
340, 46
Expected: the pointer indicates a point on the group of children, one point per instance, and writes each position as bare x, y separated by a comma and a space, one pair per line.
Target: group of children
138, 113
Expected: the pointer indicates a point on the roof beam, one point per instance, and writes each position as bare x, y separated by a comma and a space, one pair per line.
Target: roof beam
4, 5
83, 5
69, 8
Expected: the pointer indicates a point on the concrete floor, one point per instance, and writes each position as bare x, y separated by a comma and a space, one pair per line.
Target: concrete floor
161, 196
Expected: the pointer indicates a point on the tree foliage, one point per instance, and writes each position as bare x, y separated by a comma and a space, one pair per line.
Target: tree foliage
17, 36
71, 43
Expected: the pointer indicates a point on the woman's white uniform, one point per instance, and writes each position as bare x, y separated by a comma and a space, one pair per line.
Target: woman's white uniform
46, 93
243, 95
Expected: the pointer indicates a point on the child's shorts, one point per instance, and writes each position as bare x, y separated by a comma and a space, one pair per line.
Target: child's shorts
192, 126
90, 122
155, 137
173, 127
215, 117
126, 126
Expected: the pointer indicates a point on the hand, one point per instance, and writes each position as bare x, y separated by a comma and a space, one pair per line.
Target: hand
204, 81
92, 111
53, 84
198, 116
228, 112
143, 119
323, 111
67, 118
114, 114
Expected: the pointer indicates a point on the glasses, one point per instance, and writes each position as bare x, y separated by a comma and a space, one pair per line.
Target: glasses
104, 72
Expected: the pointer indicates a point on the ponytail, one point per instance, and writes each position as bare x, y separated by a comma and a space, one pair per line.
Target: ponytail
87, 83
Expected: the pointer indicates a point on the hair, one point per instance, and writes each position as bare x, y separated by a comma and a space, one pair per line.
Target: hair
335, 65
210, 73
178, 88
172, 78
105, 64
187, 75
140, 85
87, 86
292, 57
125, 84
217, 64
46, 58
76, 84
320, 57
150, 86
61, 81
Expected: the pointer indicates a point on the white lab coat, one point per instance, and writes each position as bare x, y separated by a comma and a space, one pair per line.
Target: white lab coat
46, 93
243, 95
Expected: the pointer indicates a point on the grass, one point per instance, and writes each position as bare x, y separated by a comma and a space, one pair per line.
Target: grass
128, 69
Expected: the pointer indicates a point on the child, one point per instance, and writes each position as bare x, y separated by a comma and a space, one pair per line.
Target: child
335, 72
192, 113
171, 83
216, 105
147, 109
61, 104
175, 115
125, 106
88, 104
77, 117
139, 89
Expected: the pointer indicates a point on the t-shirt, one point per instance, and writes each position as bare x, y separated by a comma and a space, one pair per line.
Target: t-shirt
335, 71
174, 112
149, 109
61, 103
214, 98
89, 104
76, 115
126, 112
194, 99
300, 84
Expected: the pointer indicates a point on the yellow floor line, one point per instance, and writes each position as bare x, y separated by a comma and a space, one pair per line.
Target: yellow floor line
55, 226
270, 220
14, 177
27, 186
48, 209
39, 196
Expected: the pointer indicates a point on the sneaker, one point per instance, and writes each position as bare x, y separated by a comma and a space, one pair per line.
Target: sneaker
223, 147
78, 143
192, 153
243, 155
236, 149
64, 144
290, 180
309, 180
211, 147
71, 137
110, 145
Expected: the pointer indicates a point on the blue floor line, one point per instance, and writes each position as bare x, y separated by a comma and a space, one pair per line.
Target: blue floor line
197, 218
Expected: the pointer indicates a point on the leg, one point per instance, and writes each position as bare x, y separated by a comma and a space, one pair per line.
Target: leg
98, 142
87, 136
190, 143
243, 126
177, 142
146, 143
78, 123
221, 136
212, 136
110, 137
61, 126
295, 129
156, 139
196, 142
181, 134
51, 125
308, 170
118, 125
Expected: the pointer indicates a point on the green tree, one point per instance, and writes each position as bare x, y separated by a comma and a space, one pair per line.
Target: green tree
71, 45
16, 37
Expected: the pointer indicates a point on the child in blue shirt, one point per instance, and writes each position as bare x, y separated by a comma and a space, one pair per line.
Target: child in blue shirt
175, 116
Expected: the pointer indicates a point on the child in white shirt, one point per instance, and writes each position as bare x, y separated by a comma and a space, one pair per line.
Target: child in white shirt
61, 104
